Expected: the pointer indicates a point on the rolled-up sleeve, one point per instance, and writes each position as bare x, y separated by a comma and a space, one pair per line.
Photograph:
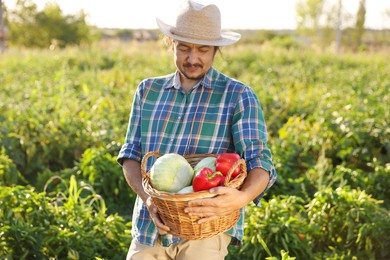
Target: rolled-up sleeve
131, 149
250, 136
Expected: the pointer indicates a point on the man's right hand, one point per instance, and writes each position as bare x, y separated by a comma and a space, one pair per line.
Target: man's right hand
153, 211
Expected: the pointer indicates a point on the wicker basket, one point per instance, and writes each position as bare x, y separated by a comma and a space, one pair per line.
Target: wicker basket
171, 205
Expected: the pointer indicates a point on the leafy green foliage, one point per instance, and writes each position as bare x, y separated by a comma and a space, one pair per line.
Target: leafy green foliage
9, 174
72, 225
345, 220
280, 224
100, 169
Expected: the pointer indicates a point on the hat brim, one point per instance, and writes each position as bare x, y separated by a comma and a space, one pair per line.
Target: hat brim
227, 37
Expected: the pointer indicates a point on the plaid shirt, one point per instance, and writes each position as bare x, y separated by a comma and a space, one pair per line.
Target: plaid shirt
218, 115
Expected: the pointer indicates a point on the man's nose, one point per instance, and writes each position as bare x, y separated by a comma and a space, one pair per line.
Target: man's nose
193, 56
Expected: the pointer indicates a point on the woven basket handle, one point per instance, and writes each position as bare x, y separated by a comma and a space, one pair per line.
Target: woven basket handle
144, 161
240, 163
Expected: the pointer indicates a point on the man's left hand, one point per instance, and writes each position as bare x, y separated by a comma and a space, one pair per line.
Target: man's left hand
227, 200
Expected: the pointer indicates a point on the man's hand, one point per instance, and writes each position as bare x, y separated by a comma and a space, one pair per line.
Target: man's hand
227, 200
153, 211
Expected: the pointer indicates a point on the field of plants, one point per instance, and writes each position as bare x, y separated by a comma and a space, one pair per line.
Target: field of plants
63, 117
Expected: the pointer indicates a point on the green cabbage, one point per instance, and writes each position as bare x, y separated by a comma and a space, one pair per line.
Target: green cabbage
171, 172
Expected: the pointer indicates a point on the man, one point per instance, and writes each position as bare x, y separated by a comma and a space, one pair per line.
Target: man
195, 110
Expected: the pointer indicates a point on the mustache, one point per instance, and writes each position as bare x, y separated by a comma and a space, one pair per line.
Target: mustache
187, 64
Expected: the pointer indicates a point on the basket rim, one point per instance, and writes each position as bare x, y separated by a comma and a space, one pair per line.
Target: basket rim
171, 196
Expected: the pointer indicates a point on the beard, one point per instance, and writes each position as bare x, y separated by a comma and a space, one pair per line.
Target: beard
188, 65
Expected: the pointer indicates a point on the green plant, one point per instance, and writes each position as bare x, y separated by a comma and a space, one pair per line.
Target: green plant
279, 224
98, 168
284, 256
345, 220
72, 225
374, 179
9, 174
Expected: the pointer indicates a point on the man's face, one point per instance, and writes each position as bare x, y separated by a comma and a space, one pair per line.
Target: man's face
193, 60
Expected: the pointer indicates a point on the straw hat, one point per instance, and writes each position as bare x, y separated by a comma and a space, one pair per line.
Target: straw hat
199, 24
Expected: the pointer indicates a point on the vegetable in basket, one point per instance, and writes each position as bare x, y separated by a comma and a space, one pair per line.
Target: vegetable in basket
208, 162
171, 172
225, 161
206, 179
187, 189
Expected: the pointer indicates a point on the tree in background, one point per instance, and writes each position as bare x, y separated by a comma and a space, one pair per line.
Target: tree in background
318, 20
32, 28
338, 26
359, 25
310, 17
308, 14
3, 29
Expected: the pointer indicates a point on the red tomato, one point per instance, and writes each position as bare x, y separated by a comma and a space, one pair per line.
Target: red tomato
225, 161
206, 179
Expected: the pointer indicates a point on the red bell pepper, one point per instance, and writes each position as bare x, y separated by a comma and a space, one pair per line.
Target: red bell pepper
206, 179
222, 182
225, 161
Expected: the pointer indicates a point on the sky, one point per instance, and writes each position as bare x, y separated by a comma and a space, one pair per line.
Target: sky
236, 14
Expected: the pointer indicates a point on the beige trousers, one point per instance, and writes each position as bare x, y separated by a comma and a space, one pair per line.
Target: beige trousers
213, 248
